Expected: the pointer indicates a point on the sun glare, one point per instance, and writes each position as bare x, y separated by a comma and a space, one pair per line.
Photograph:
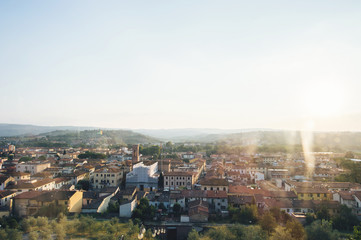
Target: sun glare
321, 100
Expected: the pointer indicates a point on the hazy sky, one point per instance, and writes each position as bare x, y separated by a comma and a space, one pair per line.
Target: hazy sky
175, 64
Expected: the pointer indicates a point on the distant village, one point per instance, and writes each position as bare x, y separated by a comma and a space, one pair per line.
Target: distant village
194, 188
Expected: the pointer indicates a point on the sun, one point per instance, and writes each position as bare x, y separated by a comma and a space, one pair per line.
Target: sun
323, 99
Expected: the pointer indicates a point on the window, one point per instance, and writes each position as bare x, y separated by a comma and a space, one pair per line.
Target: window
324, 195
113, 175
318, 195
166, 183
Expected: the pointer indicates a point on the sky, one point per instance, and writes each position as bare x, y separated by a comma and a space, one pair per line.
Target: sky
181, 64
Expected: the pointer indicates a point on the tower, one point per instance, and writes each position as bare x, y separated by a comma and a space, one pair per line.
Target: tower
135, 154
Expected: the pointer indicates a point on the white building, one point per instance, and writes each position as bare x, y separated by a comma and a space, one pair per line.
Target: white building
32, 167
144, 176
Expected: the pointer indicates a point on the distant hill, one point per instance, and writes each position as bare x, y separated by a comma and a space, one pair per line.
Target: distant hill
9, 130
109, 137
191, 134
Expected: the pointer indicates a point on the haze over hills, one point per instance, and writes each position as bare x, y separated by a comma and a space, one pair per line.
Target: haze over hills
9, 130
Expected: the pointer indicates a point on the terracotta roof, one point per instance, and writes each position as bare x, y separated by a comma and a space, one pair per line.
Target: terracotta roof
278, 203
28, 195
30, 185
346, 195
214, 182
216, 194
178, 174
5, 193
198, 202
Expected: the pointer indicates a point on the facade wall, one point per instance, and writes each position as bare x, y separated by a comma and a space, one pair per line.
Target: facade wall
75, 202
176, 182
33, 168
107, 179
125, 210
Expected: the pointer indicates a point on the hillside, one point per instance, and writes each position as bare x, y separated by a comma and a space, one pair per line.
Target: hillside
64, 138
10, 130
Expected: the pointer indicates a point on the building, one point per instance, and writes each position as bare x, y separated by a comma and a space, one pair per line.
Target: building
32, 167
33, 185
135, 154
4, 181
214, 184
19, 175
28, 203
5, 197
198, 211
144, 176
107, 177
178, 180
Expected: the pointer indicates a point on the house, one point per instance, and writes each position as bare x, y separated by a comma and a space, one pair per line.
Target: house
60, 182
345, 198
28, 203
19, 175
126, 208
107, 177
198, 211
240, 201
312, 206
157, 198
41, 175
32, 167
76, 176
4, 181
98, 205
217, 200
283, 204
5, 197
218, 184
178, 180
312, 193
32, 185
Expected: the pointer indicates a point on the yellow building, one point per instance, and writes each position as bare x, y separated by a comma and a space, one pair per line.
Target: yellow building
28, 203
312, 194
107, 177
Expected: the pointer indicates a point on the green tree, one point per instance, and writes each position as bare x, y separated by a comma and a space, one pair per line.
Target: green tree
281, 233
254, 232
220, 233
322, 213
268, 222
356, 235
25, 159
177, 209
83, 184
193, 235
296, 230
33, 235
344, 220
321, 229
